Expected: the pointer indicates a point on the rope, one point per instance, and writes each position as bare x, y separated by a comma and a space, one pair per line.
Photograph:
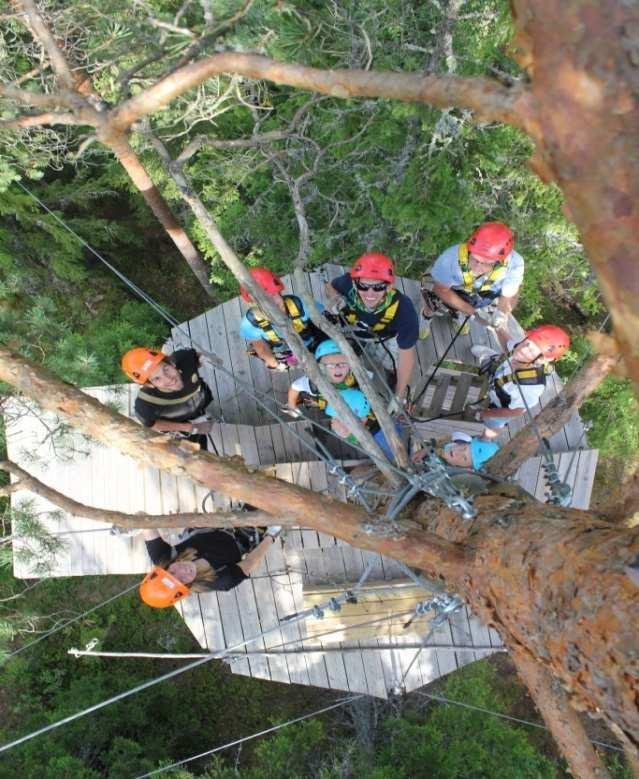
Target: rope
66, 624
173, 323
250, 738
441, 360
442, 699
316, 611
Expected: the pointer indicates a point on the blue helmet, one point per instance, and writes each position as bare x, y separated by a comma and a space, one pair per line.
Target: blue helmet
325, 348
355, 400
481, 451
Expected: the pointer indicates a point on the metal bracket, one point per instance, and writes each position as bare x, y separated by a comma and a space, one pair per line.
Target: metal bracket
436, 481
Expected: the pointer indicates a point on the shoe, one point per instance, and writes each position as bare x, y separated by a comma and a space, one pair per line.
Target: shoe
424, 325
273, 531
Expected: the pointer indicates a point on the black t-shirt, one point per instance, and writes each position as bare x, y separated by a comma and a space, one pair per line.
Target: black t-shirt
217, 547
179, 406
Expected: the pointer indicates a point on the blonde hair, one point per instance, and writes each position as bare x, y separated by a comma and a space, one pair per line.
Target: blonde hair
205, 576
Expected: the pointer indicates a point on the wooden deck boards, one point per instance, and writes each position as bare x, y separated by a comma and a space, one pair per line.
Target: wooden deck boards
102, 477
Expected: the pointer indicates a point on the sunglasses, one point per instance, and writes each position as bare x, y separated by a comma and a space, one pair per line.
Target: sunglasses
378, 286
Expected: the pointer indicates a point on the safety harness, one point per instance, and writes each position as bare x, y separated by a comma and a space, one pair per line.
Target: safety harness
320, 402
498, 271
529, 376
386, 310
294, 310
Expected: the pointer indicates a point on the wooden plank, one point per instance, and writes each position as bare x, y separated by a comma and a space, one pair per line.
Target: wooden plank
584, 470
441, 389
191, 612
232, 627
464, 380
265, 600
247, 594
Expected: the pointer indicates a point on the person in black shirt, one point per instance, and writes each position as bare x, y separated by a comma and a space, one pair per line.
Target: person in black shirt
173, 395
208, 559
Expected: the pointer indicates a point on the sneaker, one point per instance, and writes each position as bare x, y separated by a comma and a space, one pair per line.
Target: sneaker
273, 531
424, 325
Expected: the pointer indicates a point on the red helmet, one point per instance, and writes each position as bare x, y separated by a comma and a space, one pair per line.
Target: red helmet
374, 266
269, 281
492, 241
553, 341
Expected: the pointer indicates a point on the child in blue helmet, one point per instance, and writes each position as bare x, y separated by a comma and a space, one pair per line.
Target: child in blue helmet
467, 452
359, 405
463, 451
334, 366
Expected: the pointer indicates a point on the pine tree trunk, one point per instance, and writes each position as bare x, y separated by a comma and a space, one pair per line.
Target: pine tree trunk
550, 580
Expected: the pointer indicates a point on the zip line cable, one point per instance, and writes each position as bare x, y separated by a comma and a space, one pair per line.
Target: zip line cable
66, 624
332, 603
207, 354
482, 710
251, 737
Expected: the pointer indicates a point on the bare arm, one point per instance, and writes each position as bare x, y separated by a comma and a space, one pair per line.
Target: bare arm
405, 366
255, 557
164, 426
507, 304
150, 534
452, 299
495, 413
264, 351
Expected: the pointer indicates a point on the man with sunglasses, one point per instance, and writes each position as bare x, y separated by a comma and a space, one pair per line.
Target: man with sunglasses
467, 278
365, 299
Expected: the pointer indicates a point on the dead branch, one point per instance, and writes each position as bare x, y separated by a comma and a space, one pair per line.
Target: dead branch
282, 323
38, 120
41, 32
132, 521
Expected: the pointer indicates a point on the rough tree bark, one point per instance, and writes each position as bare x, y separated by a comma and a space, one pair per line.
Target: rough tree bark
553, 417
550, 580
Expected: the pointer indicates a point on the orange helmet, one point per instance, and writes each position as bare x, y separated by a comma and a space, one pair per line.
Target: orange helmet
374, 266
492, 241
269, 281
553, 341
161, 589
139, 364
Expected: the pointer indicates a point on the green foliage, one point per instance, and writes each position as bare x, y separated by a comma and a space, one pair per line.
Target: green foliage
614, 412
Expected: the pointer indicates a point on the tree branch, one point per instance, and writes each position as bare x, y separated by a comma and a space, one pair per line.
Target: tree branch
132, 521
41, 32
65, 99
290, 503
233, 263
38, 120
489, 100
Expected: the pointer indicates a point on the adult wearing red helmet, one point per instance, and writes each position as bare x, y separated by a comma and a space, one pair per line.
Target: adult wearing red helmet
368, 302
517, 378
263, 339
468, 277
173, 397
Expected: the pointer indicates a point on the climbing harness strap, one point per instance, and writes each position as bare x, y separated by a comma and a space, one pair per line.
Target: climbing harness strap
530, 376
387, 310
294, 310
320, 402
498, 271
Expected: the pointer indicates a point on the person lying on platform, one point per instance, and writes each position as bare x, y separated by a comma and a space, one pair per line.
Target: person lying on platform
263, 339
334, 366
479, 277
366, 300
517, 377
359, 405
466, 451
174, 397
208, 559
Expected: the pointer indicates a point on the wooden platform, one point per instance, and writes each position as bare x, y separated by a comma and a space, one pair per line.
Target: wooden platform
295, 652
